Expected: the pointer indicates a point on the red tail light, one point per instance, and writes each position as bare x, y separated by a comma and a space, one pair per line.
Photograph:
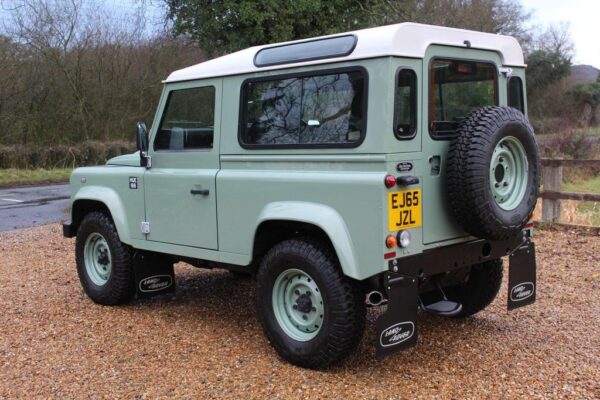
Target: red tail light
389, 181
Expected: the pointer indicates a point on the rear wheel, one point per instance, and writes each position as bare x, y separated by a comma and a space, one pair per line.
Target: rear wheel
479, 289
104, 264
312, 314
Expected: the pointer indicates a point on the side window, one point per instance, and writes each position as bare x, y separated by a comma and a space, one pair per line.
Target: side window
304, 111
515, 93
457, 87
188, 120
405, 104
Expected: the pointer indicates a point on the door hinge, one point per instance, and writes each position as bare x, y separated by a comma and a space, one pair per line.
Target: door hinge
145, 227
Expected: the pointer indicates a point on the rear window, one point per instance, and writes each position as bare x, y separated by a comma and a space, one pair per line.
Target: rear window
327, 109
456, 88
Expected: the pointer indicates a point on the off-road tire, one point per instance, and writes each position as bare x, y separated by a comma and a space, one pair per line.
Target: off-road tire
119, 287
468, 172
345, 311
479, 290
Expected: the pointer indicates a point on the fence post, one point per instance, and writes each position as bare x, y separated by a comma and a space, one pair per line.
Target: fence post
552, 175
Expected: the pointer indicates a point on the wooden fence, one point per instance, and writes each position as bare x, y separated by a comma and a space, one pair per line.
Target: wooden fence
552, 175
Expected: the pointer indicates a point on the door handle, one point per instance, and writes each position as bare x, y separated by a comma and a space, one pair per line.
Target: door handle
203, 192
406, 180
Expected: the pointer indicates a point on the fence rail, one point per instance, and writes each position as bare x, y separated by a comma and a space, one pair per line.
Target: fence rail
552, 174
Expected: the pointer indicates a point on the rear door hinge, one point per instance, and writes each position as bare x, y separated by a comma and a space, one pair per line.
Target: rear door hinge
145, 227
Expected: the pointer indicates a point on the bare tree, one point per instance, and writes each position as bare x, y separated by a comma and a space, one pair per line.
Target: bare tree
73, 70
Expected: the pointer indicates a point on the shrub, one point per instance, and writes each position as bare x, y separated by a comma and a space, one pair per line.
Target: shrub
573, 144
61, 156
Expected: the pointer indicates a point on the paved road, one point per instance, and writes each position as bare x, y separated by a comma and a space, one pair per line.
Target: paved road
33, 205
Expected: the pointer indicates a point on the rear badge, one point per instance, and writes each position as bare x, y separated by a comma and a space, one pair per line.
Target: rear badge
404, 166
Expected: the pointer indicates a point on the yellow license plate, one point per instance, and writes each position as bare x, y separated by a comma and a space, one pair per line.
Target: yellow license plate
404, 209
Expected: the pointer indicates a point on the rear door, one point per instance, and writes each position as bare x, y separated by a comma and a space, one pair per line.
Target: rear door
455, 82
180, 186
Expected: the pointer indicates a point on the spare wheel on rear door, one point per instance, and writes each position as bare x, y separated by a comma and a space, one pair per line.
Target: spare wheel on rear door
493, 172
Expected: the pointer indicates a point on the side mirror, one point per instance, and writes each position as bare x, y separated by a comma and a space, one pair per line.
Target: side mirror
142, 144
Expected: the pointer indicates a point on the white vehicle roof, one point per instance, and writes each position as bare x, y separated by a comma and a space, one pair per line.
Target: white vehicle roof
403, 40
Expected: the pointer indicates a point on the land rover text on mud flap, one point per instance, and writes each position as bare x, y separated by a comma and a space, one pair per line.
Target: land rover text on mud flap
389, 165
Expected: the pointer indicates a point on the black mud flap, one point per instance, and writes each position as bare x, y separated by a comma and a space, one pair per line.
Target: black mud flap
521, 277
397, 328
154, 274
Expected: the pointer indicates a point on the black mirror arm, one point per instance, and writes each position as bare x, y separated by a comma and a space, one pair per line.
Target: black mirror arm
142, 145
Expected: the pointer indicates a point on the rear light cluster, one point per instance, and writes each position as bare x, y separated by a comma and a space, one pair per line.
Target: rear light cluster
401, 239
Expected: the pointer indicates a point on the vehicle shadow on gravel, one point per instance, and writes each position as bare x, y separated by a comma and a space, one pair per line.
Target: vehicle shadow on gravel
205, 297
224, 304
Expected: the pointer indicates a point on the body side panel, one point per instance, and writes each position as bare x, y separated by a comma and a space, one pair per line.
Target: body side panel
110, 185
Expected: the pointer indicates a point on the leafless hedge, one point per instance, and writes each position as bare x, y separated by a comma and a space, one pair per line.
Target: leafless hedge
61, 156
72, 72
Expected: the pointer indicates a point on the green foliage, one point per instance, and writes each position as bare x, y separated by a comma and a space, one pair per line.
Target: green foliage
545, 67
224, 26
588, 94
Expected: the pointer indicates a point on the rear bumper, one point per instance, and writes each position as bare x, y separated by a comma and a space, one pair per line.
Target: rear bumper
448, 258
397, 327
69, 230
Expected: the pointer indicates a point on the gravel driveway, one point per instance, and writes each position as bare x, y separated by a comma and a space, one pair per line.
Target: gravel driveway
207, 343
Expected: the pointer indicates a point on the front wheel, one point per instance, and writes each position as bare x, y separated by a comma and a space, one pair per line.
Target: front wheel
104, 264
311, 313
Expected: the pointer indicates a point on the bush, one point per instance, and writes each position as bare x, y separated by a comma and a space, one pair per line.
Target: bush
61, 156
573, 144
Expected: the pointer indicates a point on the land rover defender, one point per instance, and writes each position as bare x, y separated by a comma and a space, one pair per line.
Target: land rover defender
391, 166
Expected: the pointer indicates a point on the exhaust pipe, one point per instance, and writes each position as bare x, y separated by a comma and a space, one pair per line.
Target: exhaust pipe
374, 298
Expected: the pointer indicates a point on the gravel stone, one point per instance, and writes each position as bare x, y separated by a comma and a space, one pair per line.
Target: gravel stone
205, 341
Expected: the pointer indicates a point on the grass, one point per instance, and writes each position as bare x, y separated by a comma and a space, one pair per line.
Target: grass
18, 177
586, 186
591, 185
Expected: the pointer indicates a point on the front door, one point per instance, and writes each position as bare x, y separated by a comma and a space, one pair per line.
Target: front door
180, 189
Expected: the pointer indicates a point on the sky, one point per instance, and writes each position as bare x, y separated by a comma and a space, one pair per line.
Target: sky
582, 17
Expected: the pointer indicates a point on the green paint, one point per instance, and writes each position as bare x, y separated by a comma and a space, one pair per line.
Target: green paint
97, 258
298, 304
508, 173
338, 190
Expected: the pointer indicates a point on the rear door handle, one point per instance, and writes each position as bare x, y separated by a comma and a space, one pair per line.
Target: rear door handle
407, 180
203, 192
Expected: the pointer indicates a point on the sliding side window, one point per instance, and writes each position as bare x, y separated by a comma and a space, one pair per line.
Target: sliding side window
515, 94
405, 104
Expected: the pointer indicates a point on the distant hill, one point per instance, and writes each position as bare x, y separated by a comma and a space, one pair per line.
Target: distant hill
584, 73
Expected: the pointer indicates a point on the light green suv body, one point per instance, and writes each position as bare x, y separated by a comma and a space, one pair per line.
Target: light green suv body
250, 196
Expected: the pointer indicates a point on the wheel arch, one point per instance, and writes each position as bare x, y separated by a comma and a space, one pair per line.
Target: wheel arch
282, 220
90, 199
